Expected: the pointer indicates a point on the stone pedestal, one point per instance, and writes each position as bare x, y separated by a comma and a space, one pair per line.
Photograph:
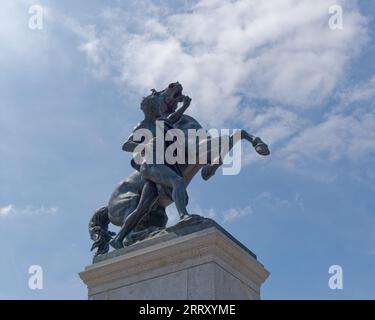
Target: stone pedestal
190, 261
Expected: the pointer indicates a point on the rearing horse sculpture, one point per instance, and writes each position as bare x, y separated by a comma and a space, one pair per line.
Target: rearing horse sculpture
127, 198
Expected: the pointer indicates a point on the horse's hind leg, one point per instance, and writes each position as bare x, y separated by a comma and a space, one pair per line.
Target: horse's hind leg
214, 147
210, 169
148, 198
259, 146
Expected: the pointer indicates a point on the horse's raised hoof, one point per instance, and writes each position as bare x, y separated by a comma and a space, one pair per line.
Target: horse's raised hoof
208, 171
116, 244
260, 147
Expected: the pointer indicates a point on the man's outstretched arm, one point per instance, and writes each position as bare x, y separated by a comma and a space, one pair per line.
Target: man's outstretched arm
129, 145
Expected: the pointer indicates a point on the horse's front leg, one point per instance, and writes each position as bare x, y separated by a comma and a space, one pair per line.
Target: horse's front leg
210, 169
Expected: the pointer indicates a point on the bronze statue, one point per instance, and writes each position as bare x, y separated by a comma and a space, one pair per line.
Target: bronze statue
138, 203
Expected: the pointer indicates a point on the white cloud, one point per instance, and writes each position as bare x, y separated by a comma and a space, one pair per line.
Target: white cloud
265, 65
233, 214
274, 124
12, 210
277, 203
4, 211
337, 137
208, 213
18, 42
363, 92
345, 133
226, 216
264, 200
173, 216
221, 51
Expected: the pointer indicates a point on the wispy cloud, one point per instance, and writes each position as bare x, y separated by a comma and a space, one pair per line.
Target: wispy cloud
173, 216
5, 211
263, 65
16, 38
227, 216
208, 213
12, 210
276, 202
223, 52
233, 214
345, 133
362, 92
264, 200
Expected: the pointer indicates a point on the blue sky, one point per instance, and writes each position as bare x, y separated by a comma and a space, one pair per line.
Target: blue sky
69, 96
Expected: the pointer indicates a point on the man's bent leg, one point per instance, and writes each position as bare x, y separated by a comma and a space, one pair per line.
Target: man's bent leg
148, 198
165, 176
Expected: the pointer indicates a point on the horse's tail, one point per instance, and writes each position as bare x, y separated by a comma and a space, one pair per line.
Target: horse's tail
98, 229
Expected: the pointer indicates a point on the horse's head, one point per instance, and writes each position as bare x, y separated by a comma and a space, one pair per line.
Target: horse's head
162, 102
170, 97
